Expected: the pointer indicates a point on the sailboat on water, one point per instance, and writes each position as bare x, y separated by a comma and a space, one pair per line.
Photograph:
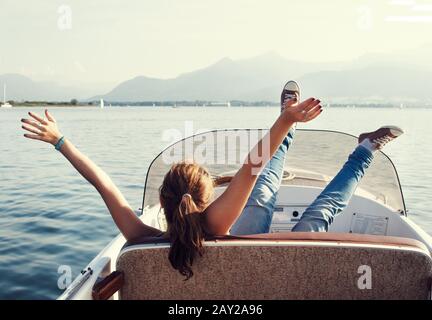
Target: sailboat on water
102, 104
5, 103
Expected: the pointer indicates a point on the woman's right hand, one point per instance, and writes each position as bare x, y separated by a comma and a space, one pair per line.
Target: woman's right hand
302, 112
42, 129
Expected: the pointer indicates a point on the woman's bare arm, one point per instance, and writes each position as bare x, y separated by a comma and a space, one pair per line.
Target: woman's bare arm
224, 211
125, 218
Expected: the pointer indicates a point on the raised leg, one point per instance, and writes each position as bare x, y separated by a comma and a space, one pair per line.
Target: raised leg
258, 212
336, 196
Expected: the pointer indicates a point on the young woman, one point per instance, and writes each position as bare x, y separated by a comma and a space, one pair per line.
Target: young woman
186, 194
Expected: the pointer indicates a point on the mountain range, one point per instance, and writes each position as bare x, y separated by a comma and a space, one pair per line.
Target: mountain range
22, 88
402, 77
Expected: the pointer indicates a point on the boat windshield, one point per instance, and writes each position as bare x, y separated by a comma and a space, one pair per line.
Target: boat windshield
314, 158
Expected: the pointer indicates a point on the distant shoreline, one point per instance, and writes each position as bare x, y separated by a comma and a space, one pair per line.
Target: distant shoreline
54, 106
201, 104
348, 106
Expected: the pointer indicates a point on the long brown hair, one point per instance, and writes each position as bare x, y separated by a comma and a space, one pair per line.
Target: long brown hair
185, 193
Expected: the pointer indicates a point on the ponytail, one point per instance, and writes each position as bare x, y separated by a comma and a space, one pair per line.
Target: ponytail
187, 236
184, 194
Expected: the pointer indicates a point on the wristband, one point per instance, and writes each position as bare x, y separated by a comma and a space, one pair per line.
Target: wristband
59, 143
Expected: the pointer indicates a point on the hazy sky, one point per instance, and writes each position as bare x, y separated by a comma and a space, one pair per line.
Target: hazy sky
108, 41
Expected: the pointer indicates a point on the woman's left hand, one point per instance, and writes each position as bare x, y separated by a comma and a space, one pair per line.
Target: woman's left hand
42, 129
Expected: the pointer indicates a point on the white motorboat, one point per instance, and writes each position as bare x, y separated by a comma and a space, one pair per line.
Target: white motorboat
5, 104
373, 250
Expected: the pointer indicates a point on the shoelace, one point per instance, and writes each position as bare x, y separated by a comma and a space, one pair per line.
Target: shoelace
383, 140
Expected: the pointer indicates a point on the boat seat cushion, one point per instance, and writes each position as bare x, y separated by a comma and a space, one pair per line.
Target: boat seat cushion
282, 266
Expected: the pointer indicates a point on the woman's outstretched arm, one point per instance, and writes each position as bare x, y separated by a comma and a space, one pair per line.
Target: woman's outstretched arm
224, 211
45, 129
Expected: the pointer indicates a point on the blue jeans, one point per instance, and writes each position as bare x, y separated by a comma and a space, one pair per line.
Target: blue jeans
258, 212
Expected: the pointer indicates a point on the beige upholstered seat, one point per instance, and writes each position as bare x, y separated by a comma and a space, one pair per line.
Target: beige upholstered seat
283, 266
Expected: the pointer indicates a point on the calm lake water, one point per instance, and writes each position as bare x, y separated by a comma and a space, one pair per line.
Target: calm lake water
50, 216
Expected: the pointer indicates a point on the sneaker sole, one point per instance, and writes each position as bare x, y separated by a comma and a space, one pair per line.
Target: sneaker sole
394, 130
289, 86
292, 86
